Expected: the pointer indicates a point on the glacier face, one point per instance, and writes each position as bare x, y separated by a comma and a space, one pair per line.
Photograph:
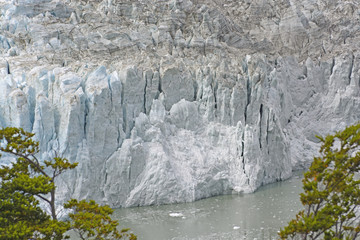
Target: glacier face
177, 100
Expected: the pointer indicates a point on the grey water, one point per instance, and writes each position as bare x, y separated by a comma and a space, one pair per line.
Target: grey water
258, 215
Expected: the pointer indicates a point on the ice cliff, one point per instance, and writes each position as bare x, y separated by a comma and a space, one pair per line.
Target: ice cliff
164, 101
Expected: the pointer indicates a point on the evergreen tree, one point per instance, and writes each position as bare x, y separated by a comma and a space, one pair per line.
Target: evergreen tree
331, 191
92, 221
27, 181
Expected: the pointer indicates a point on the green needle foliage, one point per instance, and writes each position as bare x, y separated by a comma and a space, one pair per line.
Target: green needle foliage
92, 221
27, 180
331, 191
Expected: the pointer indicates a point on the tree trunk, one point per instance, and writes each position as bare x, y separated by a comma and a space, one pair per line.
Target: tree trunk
52, 204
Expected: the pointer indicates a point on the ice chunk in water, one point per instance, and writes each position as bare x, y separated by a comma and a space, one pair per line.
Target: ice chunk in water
175, 214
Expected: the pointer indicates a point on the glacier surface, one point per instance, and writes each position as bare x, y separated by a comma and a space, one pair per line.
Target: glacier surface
166, 101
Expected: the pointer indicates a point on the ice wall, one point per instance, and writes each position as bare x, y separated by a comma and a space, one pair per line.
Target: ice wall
174, 101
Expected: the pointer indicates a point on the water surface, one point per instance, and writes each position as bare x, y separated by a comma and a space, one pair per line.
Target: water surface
247, 216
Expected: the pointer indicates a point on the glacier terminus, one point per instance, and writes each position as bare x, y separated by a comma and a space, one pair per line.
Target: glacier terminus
167, 101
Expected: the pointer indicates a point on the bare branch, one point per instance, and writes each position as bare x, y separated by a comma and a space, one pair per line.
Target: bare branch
43, 198
37, 166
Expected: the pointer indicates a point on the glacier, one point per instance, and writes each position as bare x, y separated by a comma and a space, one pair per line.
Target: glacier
167, 101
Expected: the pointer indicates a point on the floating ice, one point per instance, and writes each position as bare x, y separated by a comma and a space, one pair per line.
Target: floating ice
176, 214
